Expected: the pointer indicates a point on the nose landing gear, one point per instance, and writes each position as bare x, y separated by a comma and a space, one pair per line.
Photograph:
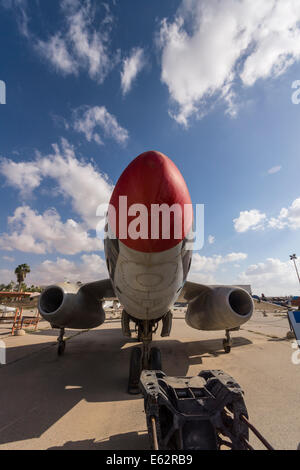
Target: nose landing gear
143, 358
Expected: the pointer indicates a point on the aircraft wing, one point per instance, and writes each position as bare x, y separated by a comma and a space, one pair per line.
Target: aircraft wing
191, 290
100, 289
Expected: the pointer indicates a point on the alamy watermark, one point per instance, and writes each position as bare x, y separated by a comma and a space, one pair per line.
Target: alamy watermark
2, 353
295, 358
296, 94
160, 221
2, 92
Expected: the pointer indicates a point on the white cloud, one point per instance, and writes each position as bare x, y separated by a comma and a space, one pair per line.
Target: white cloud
274, 169
6, 275
55, 50
205, 263
81, 44
88, 119
89, 45
272, 277
44, 233
232, 257
211, 46
89, 268
289, 217
78, 182
10, 259
203, 268
211, 239
252, 219
20, 13
132, 66
255, 220
25, 176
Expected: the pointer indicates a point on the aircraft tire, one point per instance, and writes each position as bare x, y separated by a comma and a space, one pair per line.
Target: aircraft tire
61, 348
155, 359
135, 371
227, 347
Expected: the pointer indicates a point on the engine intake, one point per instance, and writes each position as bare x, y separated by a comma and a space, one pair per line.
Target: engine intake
51, 299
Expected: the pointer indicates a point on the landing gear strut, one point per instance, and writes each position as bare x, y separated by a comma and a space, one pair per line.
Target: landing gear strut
143, 358
61, 342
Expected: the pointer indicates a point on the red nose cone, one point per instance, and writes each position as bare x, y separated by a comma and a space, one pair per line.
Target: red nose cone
151, 180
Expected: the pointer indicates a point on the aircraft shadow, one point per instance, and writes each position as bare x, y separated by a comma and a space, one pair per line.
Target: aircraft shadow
278, 340
179, 356
52, 332
126, 441
40, 388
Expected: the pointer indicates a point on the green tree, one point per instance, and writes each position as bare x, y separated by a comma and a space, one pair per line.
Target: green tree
10, 287
21, 271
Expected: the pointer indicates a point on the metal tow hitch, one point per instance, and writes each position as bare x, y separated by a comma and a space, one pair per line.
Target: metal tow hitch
206, 412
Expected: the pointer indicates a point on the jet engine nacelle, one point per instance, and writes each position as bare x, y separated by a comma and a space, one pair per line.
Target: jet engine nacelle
220, 308
67, 306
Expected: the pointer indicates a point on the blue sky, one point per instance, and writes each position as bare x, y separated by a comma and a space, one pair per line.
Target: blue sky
91, 85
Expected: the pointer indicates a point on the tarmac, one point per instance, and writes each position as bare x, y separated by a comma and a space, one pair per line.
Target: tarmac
79, 401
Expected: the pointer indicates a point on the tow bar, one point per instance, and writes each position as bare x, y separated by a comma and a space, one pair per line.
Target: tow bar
206, 412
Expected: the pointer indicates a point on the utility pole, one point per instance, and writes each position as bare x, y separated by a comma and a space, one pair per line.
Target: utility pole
293, 258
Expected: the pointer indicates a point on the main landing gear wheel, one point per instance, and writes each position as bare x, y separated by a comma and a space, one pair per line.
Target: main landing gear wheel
227, 342
135, 370
136, 366
155, 359
226, 346
61, 348
61, 343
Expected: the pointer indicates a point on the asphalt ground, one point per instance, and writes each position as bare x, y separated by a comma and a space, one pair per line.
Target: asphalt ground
79, 401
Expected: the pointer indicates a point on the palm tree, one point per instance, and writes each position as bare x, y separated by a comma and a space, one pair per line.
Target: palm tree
21, 271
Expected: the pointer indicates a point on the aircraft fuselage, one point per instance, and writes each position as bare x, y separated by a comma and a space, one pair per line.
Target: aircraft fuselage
149, 272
